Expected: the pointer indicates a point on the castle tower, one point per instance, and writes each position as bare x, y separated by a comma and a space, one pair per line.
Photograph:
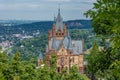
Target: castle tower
69, 52
58, 28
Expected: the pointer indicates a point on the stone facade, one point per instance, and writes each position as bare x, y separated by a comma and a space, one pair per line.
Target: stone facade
69, 52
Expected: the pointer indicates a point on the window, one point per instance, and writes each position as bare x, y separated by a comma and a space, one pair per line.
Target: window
73, 59
59, 33
58, 69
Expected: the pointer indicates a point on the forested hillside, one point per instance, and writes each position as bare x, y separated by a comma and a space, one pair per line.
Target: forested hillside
42, 26
102, 62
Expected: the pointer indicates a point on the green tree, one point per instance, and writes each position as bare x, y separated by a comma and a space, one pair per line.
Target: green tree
3, 63
106, 23
92, 60
49, 72
74, 74
14, 68
53, 60
1, 76
29, 72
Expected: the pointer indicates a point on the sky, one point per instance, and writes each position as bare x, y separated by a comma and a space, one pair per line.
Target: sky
43, 9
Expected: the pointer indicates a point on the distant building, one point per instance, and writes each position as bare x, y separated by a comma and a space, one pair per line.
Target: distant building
5, 45
69, 52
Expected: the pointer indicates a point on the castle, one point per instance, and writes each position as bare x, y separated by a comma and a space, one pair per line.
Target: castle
69, 52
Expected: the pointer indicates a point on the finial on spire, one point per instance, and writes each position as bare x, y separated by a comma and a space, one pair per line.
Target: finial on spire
59, 7
59, 21
54, 18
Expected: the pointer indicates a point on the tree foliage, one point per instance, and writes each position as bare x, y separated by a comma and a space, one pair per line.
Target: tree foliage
106, 23
16, 69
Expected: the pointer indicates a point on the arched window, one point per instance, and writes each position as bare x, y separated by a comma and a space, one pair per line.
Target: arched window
73, 59
58, 69
59, 33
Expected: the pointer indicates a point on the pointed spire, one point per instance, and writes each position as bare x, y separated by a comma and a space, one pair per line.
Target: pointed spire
68, 34
59, 21
54, 18
59, 10
59, 18
54, 44
70, 42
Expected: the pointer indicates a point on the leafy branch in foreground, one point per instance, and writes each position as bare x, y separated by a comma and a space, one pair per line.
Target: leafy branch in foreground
106, 23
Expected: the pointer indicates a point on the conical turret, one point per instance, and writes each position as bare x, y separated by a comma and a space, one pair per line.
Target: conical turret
70, 42
59, 21
54, 43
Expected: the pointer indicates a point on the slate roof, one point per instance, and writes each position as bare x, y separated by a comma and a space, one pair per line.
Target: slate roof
69, 43
53, 46
76, 46
59, 22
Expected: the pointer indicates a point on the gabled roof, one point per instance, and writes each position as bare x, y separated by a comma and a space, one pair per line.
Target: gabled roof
64, 41
69, 47
77, 47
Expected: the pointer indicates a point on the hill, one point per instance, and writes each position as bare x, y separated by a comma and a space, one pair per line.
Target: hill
31, 38
42, 26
